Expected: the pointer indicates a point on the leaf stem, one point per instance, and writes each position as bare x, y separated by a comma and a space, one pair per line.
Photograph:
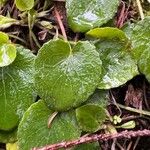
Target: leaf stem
140, 9
143, 112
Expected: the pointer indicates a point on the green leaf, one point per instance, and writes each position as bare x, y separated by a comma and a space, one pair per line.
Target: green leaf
84, 15
90, 117
143, 63
7, 54
65, 77
4, 38
88, 146
33, 130
6, 22
118, 66
16, 82
139, 34
8, 136
107, 33
23, 5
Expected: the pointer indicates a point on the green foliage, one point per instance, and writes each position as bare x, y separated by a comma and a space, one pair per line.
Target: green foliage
3, 38
85, 15
118, 66
16, 83
7, 50
8, 136
7, 54
6, 22
139, 35
34, 126
90, 117
66, 75
108, 33
75, 70
23, 5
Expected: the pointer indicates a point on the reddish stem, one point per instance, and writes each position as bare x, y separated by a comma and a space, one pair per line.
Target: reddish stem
96, 137
60, 23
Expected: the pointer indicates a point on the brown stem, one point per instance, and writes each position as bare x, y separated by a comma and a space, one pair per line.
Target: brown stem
60, 23
96, 137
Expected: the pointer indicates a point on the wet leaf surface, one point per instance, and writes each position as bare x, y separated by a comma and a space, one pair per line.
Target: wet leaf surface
118, 66
66, 77
84, 15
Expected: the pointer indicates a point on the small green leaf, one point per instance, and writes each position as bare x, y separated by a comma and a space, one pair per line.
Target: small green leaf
4, 38
88, 146
6, 22
16, 82
7, 54
33, 130
90, 117
118, 66
65, 77
84, 15
8, 136
107, 33
23, 5
128, 125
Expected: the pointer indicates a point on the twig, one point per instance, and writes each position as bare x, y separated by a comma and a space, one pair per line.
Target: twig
143, 112
60, 24
51, 119
140, 9
96, 137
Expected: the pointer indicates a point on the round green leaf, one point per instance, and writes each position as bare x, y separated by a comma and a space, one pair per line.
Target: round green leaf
24, 4
3, 38
7, 54
118, 65
33, 130
16, 82
90, 117
65, 77
8, 136
84, 15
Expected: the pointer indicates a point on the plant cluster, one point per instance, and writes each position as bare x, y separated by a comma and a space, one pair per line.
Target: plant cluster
71, 78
